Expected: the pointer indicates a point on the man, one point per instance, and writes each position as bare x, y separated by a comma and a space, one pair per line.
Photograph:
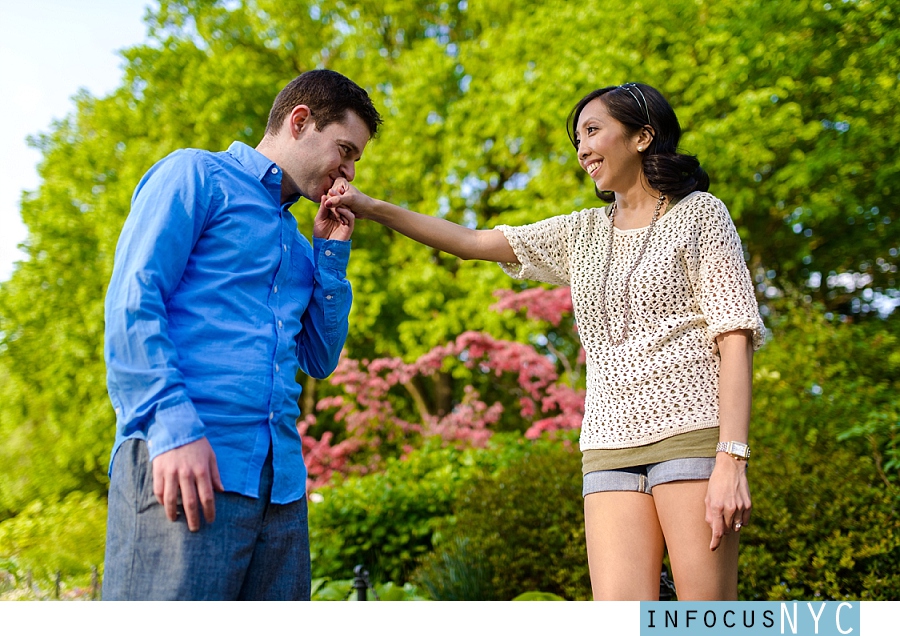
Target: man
215, 302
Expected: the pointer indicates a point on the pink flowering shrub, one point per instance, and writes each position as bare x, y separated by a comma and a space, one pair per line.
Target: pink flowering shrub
322, 457
549, 305
387, 407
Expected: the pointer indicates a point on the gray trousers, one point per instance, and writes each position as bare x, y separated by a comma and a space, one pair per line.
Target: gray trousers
255, 550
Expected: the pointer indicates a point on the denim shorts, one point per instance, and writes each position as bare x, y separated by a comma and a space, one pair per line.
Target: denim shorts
644, 478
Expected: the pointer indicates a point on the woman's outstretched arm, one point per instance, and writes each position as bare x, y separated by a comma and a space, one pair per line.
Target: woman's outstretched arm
466, 243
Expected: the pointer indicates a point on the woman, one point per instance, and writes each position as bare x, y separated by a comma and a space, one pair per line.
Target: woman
669, 321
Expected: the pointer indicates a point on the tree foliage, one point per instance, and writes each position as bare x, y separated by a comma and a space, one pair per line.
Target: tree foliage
791, 107
826, 491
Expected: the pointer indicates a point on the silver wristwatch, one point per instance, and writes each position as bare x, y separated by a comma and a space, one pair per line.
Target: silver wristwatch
738, 450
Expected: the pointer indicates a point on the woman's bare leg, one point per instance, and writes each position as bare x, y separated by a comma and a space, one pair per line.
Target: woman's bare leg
624, 545
700, 574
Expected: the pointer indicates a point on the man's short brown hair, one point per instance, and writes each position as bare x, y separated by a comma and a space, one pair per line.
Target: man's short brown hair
329, 95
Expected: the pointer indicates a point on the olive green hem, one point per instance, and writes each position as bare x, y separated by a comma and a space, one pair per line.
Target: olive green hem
700, 443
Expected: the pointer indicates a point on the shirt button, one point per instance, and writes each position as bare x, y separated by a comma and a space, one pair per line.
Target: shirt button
327, 252
274, 170
284, 247
280, 324
277, 368
276, 289
271, 416
329, 297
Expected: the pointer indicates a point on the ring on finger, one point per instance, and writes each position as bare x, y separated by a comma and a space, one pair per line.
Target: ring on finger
737, 526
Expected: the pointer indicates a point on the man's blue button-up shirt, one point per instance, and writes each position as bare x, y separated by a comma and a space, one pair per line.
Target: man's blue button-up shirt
216, 302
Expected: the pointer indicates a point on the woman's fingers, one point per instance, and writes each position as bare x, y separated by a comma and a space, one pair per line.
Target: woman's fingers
340, 186
718, 531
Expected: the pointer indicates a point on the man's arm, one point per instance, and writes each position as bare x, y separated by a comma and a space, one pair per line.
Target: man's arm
325, 322
145, 384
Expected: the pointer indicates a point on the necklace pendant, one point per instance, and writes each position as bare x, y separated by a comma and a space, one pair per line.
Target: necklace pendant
606, 269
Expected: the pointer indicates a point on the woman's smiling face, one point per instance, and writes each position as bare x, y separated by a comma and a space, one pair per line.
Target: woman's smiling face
605, 149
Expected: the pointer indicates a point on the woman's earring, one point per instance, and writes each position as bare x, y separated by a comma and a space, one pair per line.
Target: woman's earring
640, 149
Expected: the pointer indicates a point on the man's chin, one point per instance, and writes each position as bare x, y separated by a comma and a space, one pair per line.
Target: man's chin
315, 197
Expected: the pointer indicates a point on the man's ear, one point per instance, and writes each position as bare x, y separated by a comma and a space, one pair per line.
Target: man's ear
299, 118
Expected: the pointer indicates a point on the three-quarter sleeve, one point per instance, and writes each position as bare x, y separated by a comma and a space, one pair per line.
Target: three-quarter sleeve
721, 280
543, 249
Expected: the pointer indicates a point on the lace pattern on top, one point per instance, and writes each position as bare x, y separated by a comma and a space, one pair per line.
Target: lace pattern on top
691, 286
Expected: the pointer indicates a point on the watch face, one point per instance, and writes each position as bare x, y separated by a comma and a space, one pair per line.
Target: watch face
739, 449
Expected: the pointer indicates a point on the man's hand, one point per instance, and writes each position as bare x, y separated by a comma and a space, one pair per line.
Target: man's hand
192, 472
336, 221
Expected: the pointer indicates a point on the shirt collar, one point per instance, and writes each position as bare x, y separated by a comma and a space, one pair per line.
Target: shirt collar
260, 166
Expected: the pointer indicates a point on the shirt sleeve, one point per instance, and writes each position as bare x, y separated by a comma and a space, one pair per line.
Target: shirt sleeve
326, 319
721, 280
543, 249
146, 387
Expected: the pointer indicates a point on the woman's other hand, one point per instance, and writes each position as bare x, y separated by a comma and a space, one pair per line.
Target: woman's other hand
727, 498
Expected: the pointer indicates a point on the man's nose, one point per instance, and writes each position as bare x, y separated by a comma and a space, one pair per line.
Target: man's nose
348, 171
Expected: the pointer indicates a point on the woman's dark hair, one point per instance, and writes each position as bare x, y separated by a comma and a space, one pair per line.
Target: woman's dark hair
638, 106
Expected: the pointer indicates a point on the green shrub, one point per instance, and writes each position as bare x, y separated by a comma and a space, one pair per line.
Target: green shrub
388, 521
538, 596
823, 478
328, 590
823, 526
523, 525
823, 378
385, 521
456, 572
67, 536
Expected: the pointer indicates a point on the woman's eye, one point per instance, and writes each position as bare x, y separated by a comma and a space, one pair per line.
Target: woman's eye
591, 129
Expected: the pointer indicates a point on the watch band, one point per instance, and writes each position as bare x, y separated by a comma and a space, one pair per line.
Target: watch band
738, 450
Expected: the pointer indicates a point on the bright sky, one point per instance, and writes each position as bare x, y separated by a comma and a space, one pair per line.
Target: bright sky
48, 50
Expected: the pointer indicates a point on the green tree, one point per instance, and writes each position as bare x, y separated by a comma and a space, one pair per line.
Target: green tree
790, 105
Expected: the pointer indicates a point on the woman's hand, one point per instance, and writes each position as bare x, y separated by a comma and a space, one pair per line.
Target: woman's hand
727, 498
343, 196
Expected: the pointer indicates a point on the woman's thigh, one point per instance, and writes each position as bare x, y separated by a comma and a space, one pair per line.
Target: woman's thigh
624, 545
699, 573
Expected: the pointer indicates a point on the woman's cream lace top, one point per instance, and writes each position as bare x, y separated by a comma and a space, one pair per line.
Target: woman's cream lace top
691, 285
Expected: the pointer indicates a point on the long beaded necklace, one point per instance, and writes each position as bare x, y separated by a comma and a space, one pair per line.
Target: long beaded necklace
627, 317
